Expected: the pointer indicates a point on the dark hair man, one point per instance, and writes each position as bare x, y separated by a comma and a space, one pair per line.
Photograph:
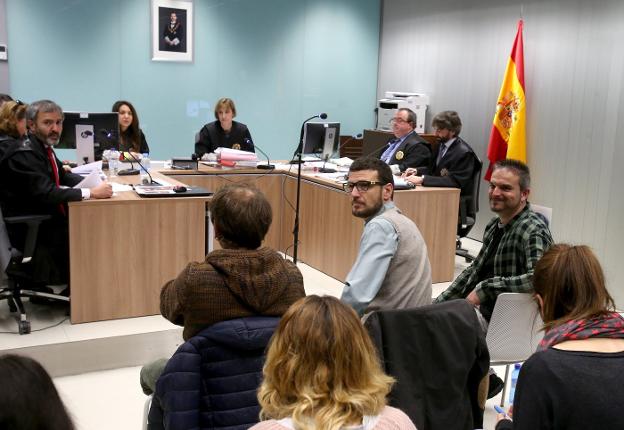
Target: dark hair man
34, 182
240, 280
407, 148
392, 269
454, 160
513, 242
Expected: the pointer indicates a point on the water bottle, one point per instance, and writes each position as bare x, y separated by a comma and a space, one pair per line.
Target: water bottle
113, 162
145, 163
514, 380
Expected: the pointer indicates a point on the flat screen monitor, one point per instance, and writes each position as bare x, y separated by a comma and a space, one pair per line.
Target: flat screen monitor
321, 138
90, 134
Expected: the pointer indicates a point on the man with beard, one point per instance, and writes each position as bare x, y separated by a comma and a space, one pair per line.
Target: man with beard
454, 160
513, 242
392, 269
34, 182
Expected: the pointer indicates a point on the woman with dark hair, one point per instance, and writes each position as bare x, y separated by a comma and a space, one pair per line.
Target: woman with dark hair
322, 372
131, 137
574, 381
28, 398
225, 132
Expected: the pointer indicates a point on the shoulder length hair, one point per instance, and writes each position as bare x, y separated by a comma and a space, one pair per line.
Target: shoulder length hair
131, 138
571, 283
322, 369
11, 113
28, 398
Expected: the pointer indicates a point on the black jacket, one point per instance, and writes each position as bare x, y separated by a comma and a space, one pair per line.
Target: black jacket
212, 379
455, 169
212, 136
416, 152
28, 185
438, 356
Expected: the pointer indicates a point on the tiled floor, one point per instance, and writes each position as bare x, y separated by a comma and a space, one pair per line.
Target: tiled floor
112, 399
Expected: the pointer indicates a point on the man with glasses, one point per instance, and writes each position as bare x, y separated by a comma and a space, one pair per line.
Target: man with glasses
454, 159
407, 148
392, 270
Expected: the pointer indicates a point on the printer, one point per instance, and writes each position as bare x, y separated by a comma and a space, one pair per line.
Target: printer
395, 100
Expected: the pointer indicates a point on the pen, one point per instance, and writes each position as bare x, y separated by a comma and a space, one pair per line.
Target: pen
501, 411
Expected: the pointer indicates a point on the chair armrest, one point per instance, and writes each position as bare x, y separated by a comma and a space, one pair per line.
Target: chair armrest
33, 222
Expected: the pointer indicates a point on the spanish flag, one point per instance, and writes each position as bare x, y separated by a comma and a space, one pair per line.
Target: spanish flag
508, 137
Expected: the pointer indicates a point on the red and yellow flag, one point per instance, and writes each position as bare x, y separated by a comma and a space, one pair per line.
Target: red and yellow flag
508, 138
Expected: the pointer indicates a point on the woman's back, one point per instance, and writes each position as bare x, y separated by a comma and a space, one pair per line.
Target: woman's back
389, 419
561, 389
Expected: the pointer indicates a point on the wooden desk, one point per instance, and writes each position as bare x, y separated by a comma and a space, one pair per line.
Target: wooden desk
123, 249
329, 234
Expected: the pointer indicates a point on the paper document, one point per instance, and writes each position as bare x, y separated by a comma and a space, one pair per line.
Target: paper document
235, 155
92, 180
120, 187
88, 168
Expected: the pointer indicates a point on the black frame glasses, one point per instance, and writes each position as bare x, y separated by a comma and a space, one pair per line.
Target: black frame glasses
362, 186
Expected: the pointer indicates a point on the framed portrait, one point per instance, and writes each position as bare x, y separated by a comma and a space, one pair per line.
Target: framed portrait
172, 30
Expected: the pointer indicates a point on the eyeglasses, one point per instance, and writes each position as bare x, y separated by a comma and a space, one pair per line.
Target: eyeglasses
362, 186
398, 120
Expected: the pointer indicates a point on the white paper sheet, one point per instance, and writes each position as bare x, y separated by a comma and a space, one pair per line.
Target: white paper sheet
88, 168
92, 180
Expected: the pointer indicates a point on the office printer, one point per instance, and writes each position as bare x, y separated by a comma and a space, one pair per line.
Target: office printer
394, 100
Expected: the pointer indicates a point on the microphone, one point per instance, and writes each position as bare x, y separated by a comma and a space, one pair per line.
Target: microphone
322, 115
268, 165
151, 180
129, 172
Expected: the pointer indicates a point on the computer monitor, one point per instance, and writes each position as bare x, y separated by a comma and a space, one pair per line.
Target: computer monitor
90, 134
321, 138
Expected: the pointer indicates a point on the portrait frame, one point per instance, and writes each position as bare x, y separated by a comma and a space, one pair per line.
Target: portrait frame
172, 30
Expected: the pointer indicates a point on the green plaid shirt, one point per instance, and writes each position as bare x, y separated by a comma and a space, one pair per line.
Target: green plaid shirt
525, 239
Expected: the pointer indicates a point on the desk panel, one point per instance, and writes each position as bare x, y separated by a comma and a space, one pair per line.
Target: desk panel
124, 249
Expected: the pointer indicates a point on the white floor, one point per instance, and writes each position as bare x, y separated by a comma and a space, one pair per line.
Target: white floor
112, 399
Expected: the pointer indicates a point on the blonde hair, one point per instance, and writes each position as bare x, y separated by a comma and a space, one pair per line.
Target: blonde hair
11, 113
322, 369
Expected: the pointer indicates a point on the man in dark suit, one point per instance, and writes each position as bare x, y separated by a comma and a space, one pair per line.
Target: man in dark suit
407, 149
35, 182
454, 160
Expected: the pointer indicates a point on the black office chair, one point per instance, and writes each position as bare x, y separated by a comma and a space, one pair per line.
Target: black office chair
16, 265
468, 208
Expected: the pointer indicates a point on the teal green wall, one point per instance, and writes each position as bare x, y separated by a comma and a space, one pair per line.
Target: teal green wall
280, 60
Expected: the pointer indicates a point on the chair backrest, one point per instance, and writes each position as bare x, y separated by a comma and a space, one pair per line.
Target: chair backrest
544, 212
5, 248
515, 328
476, 186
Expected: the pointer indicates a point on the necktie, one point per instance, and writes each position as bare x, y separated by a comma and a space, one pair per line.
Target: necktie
441, 153
388, 152
52, 160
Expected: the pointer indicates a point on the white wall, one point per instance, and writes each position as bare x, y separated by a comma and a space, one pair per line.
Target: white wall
456, 52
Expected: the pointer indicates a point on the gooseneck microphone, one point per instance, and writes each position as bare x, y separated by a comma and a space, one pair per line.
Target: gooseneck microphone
297, 205
268, 165
151, 180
